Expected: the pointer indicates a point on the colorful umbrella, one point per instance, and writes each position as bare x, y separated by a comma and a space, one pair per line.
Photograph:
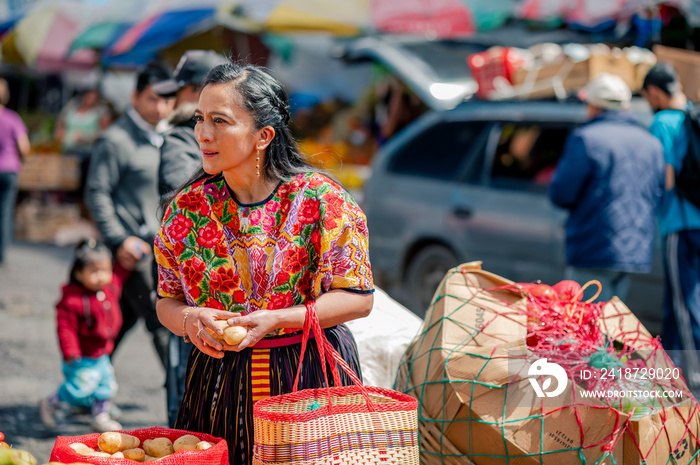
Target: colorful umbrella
42, 37
435, 18
108, 24
586, 14
342, 18
8, 24
161, 28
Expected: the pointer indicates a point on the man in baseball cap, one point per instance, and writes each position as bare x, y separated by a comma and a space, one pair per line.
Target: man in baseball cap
188, 75
610, 178
180, 154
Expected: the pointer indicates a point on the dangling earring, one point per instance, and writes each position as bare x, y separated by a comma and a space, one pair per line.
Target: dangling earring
257, 162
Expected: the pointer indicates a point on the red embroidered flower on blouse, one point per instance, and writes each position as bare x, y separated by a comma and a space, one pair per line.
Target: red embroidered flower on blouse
315, 240
178, 248
180, 227
193, 272
213, 303
209, 235
190, 201
284, 207
224, 280
218, 209
279, 301
294, 260
282, 278
268, 223
315, 182
221, 250
309, 211
194, 293
334, 211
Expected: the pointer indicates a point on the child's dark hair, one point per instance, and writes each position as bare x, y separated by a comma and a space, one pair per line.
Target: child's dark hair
86, 252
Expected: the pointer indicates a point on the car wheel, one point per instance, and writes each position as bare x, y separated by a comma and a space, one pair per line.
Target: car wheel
424, 274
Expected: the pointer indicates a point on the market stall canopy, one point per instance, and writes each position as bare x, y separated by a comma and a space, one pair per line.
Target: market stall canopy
8, 24
165, 24
444, 19
43, 36
437, 18
590, 14
346, 18
107, 24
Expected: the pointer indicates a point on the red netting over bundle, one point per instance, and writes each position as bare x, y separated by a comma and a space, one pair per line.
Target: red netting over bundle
519, 373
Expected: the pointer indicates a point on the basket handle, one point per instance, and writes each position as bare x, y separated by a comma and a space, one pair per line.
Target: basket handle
326, 352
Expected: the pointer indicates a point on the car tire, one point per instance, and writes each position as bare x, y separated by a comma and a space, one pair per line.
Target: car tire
424, 274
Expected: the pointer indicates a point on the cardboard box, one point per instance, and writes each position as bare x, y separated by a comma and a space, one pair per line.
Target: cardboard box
687, 63
567, 76
473, 403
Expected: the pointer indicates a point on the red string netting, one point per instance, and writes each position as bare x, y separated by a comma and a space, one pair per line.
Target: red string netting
567, 331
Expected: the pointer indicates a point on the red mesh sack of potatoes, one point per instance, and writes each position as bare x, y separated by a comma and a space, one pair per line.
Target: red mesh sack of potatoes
216, 453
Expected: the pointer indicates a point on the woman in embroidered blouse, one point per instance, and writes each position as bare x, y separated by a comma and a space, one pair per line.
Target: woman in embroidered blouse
257, 232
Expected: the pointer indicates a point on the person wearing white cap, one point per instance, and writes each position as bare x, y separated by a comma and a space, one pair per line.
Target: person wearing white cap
610, 178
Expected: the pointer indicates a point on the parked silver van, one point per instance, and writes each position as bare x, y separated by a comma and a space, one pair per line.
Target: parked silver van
471, 184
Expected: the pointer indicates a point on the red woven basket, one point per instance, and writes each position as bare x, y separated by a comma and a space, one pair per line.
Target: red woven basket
337, 425
216, 455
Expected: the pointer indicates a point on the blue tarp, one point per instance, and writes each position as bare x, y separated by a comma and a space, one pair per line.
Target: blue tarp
165, 30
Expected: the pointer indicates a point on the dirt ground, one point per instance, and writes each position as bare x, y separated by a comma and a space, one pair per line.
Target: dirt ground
30, 360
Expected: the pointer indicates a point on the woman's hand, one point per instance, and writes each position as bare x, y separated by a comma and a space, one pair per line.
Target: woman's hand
259, 323
198, 320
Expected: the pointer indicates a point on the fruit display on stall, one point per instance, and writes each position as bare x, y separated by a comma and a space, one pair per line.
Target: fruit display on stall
11, 456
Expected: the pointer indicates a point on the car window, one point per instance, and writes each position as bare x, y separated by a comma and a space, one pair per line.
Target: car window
526, 155
438, 152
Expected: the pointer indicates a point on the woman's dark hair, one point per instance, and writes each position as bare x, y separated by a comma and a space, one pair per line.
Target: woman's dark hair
86, 252
263, 98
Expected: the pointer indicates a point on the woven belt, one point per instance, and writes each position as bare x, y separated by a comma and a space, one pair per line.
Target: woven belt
279, 341
260, 363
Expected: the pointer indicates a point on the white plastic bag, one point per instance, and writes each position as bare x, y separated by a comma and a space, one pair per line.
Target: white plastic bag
382, 338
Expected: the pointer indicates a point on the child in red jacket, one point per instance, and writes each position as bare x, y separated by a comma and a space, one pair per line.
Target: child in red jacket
88, 319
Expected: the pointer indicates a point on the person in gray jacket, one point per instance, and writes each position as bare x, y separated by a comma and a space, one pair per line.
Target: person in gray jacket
180, 155
180, 158
121, 193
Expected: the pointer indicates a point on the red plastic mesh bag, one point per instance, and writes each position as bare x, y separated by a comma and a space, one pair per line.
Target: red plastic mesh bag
217, 455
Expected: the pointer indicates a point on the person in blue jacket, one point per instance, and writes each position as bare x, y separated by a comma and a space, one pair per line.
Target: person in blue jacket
610, 178
679, 224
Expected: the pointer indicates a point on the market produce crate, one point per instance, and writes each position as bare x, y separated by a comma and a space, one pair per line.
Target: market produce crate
50, 173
